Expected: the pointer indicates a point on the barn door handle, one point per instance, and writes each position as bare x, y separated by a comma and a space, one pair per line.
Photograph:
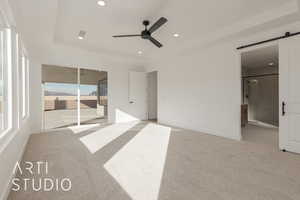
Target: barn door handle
283, 108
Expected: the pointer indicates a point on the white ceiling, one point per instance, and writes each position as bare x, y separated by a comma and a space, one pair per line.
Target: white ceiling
261, 57
60, 21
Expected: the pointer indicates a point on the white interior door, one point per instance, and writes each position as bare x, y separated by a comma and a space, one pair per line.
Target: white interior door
289, 92
138, 94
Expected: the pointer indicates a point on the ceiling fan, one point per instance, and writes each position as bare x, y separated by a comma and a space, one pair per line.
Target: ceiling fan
146, 34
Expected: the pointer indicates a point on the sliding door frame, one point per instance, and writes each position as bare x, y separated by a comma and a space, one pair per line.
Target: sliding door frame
78, 95
239, 53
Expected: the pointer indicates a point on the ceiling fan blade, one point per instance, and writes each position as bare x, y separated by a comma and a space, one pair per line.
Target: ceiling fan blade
157, 24
155, 42
117, 36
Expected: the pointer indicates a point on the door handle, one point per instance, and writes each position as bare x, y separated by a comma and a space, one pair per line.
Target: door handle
283, 108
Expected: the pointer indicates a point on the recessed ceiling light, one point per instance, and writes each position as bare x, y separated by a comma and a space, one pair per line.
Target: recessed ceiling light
176, 35
81, 35
140, 52
101, 3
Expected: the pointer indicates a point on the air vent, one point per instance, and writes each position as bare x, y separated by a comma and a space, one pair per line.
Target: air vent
81, 35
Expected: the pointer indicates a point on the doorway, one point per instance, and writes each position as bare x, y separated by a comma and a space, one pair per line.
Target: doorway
73, 96
260, 96
152, 95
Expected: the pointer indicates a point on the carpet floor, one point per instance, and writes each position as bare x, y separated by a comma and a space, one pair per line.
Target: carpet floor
260, 134
147, 161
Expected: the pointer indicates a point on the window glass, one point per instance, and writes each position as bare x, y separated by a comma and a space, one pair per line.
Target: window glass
60, 96
1, 82
14, 94
27, 87
23, 85
5, 80
93, 96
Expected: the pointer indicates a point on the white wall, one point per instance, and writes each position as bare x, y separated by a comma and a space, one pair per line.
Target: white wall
118, 80
200, 89
11, 151
12, 143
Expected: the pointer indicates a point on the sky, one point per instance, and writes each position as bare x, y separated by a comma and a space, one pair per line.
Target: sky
70, 88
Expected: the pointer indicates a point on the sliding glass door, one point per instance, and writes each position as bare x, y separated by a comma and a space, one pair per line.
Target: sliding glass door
73, 96
60, 96
93, 108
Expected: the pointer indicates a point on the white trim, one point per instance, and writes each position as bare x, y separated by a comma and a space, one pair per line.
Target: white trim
2, 78
17, 79
23, 86
27, 88
200, 131
78, 96
9, 79
43, 105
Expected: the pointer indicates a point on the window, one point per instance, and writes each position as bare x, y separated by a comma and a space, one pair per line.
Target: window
27, 87
1, 83
23, 78
23, 70
23, 88
14, 73
5, 80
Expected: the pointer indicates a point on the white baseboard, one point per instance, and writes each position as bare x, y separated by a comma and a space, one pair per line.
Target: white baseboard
203, 130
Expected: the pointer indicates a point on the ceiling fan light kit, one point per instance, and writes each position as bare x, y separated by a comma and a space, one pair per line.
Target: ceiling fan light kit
147, 33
